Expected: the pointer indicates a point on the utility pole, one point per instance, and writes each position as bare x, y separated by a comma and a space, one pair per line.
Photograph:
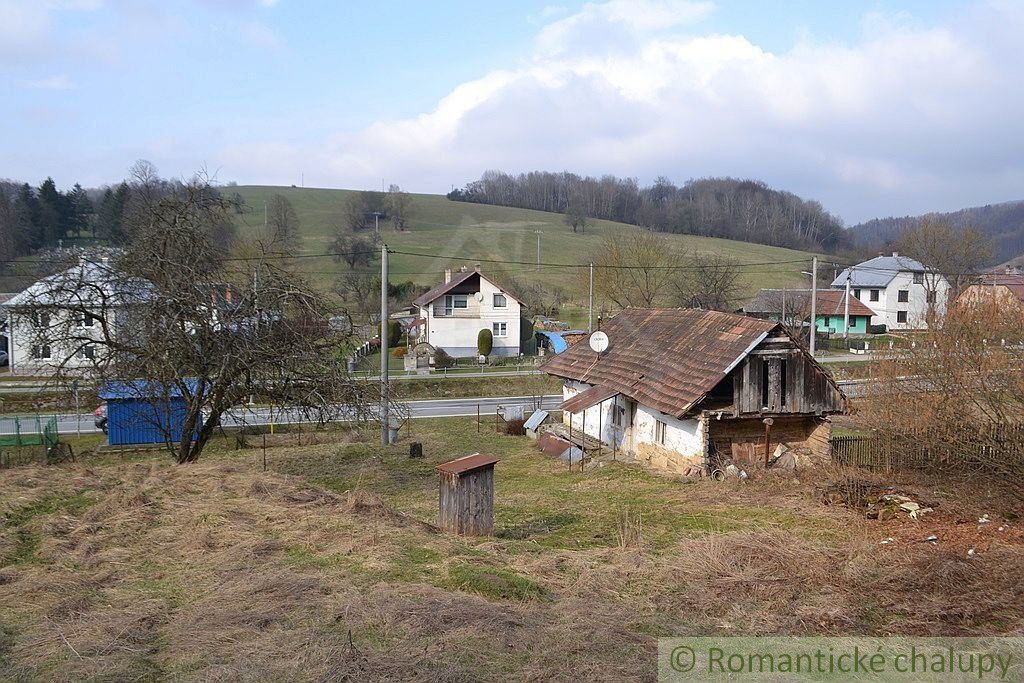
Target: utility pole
784, 307
384, 439
846, 310
539, 233
264, 216
814, 304
376, 223
590, 318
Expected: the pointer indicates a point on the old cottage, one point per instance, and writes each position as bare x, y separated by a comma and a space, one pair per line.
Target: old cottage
688, 389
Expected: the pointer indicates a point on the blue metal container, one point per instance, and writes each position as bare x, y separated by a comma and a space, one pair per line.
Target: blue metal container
141, 412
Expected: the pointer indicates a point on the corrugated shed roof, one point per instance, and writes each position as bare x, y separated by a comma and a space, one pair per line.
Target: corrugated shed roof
664, 358
466, 464
878, 272
589, 397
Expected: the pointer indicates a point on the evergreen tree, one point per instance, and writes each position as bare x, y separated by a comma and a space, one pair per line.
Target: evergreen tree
80, 210
52, 213
27, 236
110, 215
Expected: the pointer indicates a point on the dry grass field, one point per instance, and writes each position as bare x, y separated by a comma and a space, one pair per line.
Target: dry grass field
328, 565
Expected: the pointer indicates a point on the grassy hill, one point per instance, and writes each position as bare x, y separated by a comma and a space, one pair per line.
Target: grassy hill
459, 233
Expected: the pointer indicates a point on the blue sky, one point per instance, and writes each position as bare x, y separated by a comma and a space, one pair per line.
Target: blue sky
873, 108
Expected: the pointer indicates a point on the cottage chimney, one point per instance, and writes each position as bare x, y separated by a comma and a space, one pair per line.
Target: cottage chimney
462, 269
895, 254
447, 275
105, 260
476, 267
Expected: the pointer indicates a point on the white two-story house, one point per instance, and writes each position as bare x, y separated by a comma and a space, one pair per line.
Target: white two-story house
452, 314
901, 292
62, 322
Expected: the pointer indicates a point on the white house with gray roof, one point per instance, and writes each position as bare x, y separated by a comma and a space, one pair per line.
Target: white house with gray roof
452, 314
899, 290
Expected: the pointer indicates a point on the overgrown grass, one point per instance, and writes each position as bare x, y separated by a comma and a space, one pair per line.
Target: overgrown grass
329, 566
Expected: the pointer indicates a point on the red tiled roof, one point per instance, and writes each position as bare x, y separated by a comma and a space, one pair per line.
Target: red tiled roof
830, 302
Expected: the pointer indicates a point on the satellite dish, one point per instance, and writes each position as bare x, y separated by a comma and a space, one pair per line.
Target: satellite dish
479, 296
599, 342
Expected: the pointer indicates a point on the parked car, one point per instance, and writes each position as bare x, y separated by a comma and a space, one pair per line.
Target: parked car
101, 417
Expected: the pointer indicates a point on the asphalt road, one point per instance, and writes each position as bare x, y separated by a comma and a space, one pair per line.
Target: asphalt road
446, 407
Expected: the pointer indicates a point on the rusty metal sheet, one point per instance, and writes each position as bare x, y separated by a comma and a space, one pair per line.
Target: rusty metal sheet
666, 358
587, 398
466, 464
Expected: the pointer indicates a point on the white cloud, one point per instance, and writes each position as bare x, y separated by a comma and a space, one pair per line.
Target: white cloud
59, 82
906, 119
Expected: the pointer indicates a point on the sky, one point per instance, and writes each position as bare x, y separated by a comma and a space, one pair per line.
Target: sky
872, 107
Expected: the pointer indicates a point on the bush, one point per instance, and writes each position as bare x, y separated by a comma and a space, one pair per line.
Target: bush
400, 351
443, 360
484, 342
878, 329
515, 427
394, 333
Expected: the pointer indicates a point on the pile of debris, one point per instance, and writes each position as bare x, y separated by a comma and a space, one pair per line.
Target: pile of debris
877, 501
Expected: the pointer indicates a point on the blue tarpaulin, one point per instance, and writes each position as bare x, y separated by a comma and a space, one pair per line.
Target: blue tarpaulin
555, 339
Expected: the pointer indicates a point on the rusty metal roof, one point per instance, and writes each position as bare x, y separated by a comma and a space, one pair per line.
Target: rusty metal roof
830, 302
664, 358
587, 398
466, 464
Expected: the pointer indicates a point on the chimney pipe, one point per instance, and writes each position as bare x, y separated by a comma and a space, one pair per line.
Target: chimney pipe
447, 275
895, 254
476, 267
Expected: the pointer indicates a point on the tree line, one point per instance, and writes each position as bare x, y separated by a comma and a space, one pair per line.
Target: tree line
746, 210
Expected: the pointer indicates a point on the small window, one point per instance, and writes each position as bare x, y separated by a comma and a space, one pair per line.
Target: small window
874, 295
856, 294
618, 415
85, 320
828, 321
659, 432
41, 352
903, 296
40, 319
460, 301
901, 316
499, 329
87, 352
500, 301
918, 278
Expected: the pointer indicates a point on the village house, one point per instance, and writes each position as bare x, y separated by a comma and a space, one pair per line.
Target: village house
1006, 289
689, 390
452, 314
900, 291
58, 322
830, 314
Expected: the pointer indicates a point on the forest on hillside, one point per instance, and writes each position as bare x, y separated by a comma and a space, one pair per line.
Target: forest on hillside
730, 208
1002, 224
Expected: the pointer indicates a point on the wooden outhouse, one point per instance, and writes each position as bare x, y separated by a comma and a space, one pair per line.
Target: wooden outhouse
466, 500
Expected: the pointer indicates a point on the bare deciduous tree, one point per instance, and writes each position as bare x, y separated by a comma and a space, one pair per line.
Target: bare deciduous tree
955, 254
708, 281
636, 268
283, 224
954, 388
398, 205
180, 316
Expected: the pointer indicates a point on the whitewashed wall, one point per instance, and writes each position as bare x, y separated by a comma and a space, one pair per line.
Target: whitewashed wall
685, 437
